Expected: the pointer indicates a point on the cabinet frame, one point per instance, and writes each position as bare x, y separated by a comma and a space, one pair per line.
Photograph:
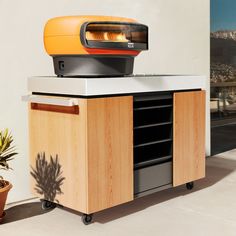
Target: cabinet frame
95, 144
94, 149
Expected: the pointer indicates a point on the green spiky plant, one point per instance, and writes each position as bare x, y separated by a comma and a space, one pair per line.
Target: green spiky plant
7, 152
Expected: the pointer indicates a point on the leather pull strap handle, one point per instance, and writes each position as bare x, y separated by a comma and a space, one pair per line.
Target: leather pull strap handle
62, 105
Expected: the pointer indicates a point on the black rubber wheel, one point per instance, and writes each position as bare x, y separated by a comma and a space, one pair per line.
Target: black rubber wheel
46, 205
190, 185
87, 219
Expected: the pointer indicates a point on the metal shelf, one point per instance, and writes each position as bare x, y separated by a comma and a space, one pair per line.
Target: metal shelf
153, 97
151, 107
153, 125
153, 142
151, 162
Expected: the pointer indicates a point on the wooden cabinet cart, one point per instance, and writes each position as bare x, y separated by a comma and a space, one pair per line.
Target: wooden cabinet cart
90, 153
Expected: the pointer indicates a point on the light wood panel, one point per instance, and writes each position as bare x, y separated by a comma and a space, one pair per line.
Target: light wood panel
62, 134
189, 137
95, 151
110, 152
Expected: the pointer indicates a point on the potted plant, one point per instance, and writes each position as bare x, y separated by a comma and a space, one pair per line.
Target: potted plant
7, 152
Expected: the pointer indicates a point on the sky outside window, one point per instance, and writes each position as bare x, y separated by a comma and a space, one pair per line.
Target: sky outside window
223, 15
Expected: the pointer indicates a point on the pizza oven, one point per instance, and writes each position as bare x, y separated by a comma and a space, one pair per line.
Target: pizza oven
93, 46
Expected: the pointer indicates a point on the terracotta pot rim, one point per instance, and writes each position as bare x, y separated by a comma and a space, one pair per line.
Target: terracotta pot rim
6, 188
2, 216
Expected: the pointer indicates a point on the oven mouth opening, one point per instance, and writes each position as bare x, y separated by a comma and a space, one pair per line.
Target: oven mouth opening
114, 35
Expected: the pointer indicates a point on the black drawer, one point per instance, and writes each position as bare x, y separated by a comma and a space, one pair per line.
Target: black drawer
152, 177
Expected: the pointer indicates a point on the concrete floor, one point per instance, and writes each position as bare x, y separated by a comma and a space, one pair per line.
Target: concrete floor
209, 209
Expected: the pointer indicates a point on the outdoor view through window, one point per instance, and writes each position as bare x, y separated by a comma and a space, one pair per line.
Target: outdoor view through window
223, 61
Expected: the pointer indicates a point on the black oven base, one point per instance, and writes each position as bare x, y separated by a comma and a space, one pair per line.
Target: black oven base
93, 66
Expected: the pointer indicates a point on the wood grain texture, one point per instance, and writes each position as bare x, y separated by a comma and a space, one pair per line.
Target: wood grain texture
189, 137
62, 134
110, 152
95, 150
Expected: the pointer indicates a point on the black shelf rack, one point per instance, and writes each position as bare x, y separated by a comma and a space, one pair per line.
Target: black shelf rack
153, 138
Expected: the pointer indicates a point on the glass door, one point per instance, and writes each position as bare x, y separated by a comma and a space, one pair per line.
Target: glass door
223, 75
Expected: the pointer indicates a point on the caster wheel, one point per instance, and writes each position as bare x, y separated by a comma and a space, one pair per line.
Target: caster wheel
87, 219
46, 205
190, 185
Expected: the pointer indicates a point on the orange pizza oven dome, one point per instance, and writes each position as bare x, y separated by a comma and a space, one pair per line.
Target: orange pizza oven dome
78, 38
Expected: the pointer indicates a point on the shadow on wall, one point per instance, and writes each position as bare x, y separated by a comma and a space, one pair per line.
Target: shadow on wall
48, 177
215, 172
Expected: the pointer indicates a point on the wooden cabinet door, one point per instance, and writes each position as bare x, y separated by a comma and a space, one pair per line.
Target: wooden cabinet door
188, 137
110, 152
82, 157
58, 155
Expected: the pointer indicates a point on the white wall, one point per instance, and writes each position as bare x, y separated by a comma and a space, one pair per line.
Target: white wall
179, 44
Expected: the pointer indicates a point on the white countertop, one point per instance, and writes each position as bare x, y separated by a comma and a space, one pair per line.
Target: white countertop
116, 85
